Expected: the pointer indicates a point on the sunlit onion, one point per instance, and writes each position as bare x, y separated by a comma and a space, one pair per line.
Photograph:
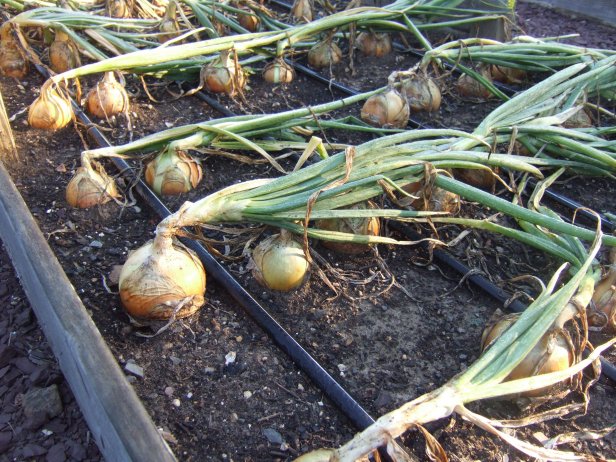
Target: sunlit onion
90, 186
431, 198
169, 26
107, 98
421, 92
223, 75
302, 10
248, 20
173, 172
603, 311
12, 60
162, 279
49, 111
554, 352
279, 262
278, 71
509, 75
63, 54
374, 44
359, 226
388, 109
324, 54
468, 87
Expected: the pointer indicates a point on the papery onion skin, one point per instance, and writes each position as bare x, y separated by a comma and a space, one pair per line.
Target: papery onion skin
279, 263
278, 71
249, 21
552, 353
223, 76
436, 200
374, 44
49, 111
422, 93
324, 54
603, 313
12, 61
468, 87
159, 276
388, 109
580, 119
509, 75
107, 98
63, 54
174, 173
478, 177
89, 188
361, 226
302, 10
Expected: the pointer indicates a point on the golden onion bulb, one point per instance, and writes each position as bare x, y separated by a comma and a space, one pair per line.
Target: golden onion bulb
117, 9
302, 10
324, 54
554, 352
90, 186
468, 87
63, 54
173, 172
107, 98
478, 177
169, 26
360, 226
388, 109
432, 199
248, 20
223, 75
374, 44
162, 279
509, 75
278, 71
12, 60
279, 262
422, 93
50, 111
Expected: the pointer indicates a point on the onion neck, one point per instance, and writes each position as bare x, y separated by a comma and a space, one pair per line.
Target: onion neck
578, 303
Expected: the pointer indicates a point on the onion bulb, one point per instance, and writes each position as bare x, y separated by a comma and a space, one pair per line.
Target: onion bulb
90, 186
117, 9
63, 54
302, 10
510, 75
468, 87
579, 119
169, 26
12, 60
278, 71
324, 54
248, 20
554, 352
361, 226
388, 109
173, 172
49, 111
373, 44
223, 75
478, 177
421, 92
279, 262
604, 300
108, 98
432, 198
162, 279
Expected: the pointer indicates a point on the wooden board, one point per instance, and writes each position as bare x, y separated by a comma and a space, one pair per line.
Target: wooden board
118, 421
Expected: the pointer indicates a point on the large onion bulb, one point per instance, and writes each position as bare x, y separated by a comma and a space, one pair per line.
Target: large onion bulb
173, 172
63, 54
90, 186
509, 75
324, 54
360, 226
374, 44
162, 279
302, 10
421, 92
223, 75
468, 87
554, 352
49, 111
279, 262
107, 98
12, 60
388, 109
278, 71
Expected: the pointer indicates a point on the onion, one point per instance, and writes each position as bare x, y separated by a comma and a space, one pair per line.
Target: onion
117, 9
278, 71
63, 54
468, 87
12, 60
421, 92
248, 20
373, 44
108, 98
365, 226
324, 54
169, 26
510, 75
388, 109
579, 119
432, 198
478, 177
160, 277
603, 313
173, 172
223, 75
554, 352
50, 111
302, 10
279, 262
90, 186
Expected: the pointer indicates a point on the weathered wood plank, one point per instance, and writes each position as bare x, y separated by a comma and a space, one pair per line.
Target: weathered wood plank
121, 427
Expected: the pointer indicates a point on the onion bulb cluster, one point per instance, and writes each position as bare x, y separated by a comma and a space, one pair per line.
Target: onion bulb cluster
279, 262
90, 186
324, 54
224, 75
422, 93
278, 71
374, 44
108, 98
173, 172
387, 109
13, 62
162, 279
302, 10
361, 226
468, 87
63, 54
50, 111
169, 27
554, 352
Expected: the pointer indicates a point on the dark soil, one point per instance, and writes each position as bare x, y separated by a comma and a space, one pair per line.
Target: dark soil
384, 345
